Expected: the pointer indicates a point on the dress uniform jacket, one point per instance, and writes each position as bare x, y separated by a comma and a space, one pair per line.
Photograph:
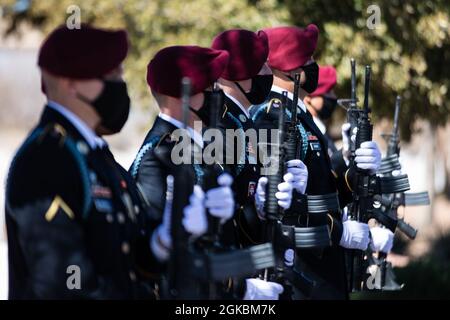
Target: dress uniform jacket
150, 173
245, 166
69, 208
329, 264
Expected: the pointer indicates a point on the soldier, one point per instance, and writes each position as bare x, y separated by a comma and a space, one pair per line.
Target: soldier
75, 221
322, 102
246, 81
203, 66
321, 105
290, 52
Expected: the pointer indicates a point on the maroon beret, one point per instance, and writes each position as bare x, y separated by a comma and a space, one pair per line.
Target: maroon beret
203, 66
248, 52
84, 53
291, 47
327, 80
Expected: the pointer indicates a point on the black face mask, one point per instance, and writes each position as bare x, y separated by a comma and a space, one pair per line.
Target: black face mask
312, 77
204, 112
113, 105
261, 85
329, 105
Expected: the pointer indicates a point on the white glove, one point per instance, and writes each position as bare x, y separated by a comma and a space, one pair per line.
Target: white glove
289, 256
382, 239
345, 131
300, 173
161, 241
345, 214
368, 156
258, 289
355, 235
220, 201
194, 220
284, 194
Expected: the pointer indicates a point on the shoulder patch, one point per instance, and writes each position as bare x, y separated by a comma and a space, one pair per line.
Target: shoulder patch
55, 131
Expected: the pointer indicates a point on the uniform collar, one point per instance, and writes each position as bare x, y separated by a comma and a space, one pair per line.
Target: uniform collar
320, 125
87, 133
290, 96
236, 102
197, 137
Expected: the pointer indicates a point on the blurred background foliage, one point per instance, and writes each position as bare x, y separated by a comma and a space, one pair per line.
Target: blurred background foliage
409, 50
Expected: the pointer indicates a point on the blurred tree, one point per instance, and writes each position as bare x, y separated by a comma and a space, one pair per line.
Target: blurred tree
409, 49
155, 24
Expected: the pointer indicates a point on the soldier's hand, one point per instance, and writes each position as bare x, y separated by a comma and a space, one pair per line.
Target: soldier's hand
284, 194
194, 220
382, 239
220, 201
368, 156
161, 241
355, 235
300, 173
258, 289
346, 138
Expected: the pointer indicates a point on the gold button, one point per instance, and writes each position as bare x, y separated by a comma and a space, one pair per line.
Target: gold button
125, 248
82, 147
121, 217
109, 218
318, 154
132, 276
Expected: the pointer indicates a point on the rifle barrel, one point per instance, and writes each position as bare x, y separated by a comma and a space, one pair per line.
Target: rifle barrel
366, 89
295, 97
353, 81
398, 101
185, 96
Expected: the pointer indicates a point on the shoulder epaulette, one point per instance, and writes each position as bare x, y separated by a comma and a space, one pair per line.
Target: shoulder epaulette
66, 143
275, 102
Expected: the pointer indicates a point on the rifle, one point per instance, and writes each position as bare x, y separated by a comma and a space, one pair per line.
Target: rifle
361, 197
274, 213
209, 181
368, 187
180, 282
281, 236
391, 201
212, 171
351, 107
389, 164
291, 138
